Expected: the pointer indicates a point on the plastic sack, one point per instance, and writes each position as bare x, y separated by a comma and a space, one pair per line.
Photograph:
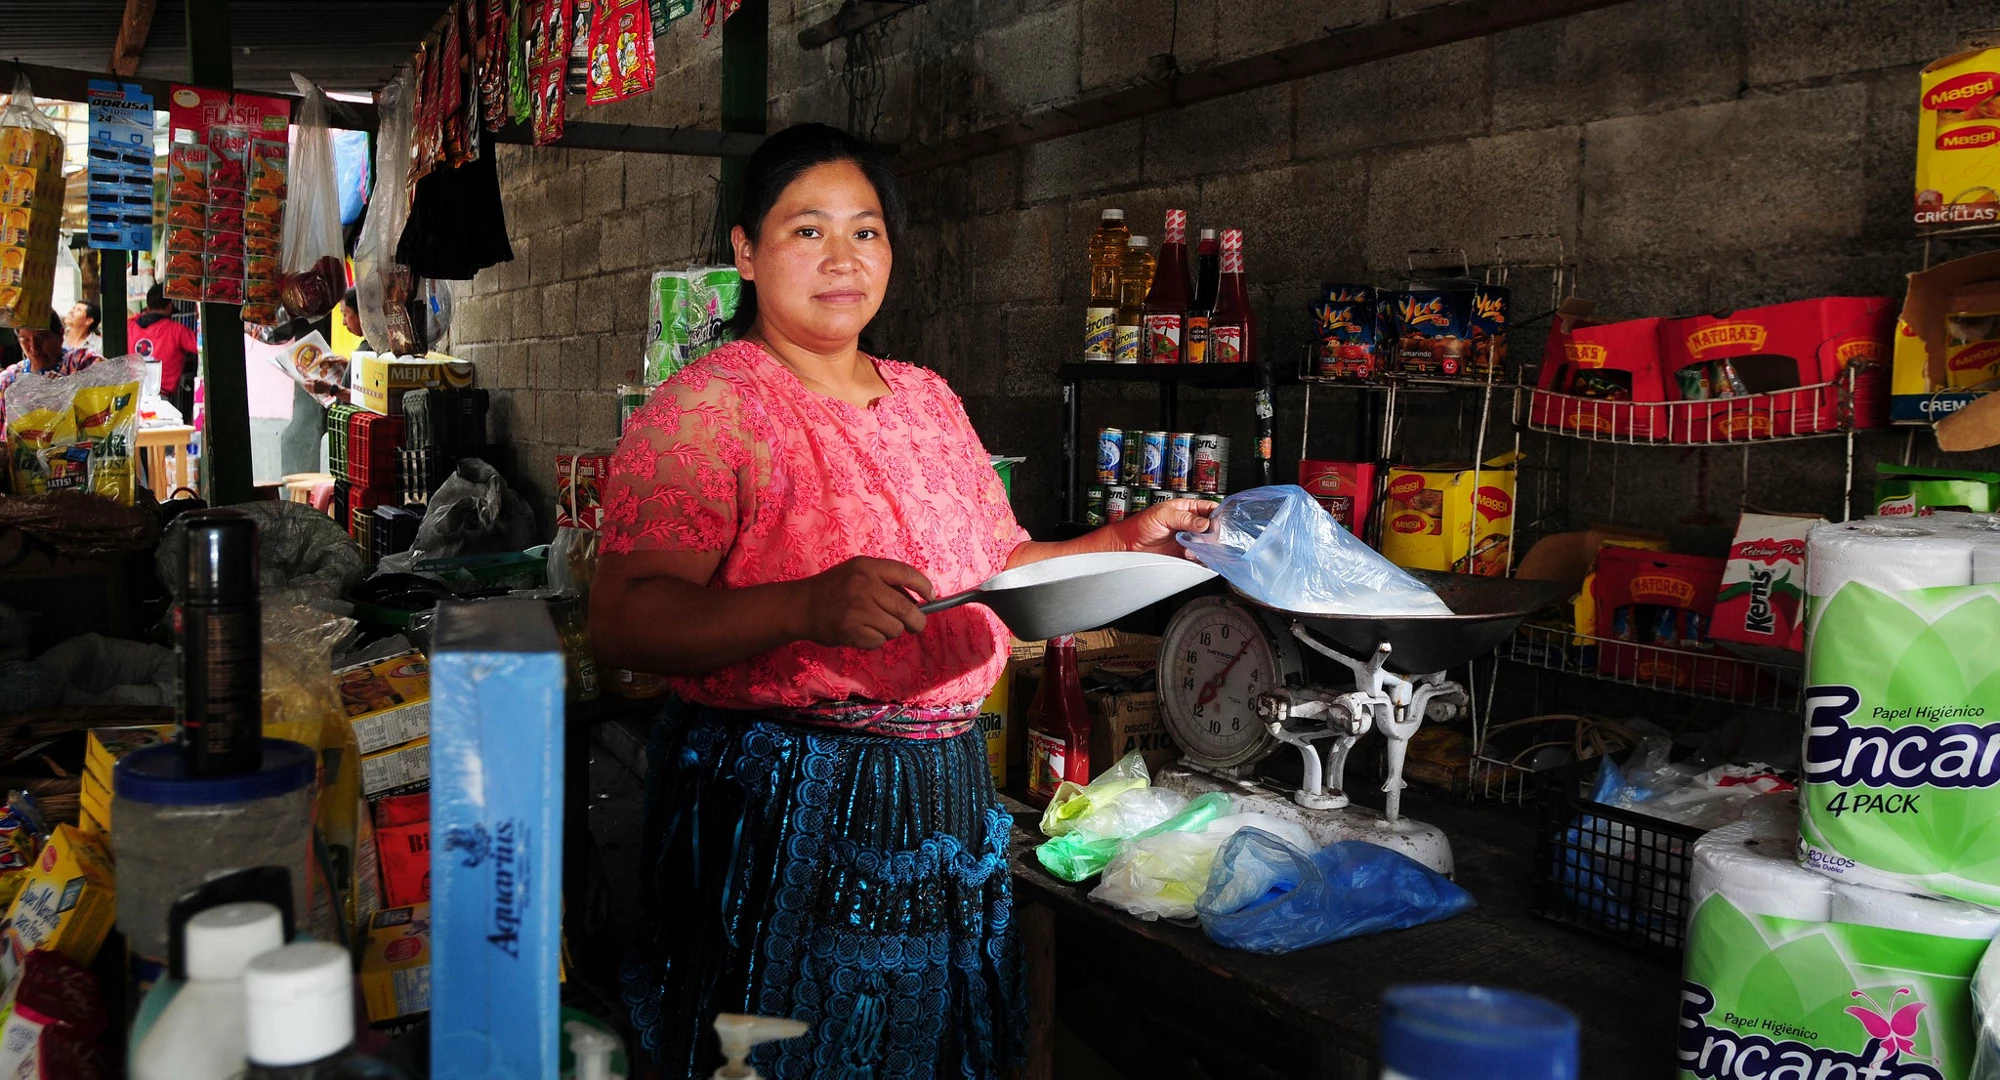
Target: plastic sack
31, 207
474, 512
1074, 803
100, 671
1267, 895
312, 273
1077, 857
302, 556
382, 287
1161, 875
1282, 548
1684, 792
76, 432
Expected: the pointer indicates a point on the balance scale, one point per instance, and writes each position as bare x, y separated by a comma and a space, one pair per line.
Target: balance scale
1240, 679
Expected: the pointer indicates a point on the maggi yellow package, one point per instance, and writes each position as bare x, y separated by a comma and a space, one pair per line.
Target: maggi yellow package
1958, 140
75, 433
1451, 517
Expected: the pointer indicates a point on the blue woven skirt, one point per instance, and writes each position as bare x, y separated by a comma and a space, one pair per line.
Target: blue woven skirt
855, 882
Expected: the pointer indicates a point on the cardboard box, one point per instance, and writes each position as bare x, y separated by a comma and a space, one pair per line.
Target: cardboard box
396, 964
96, 802
403, 847
104, 746
993, 728
67, 903
1345, 488
580, 480
497, 673
1638, 594
1958, 140
1787, 354
380, 380
1760, 610
1451, 517
388, 701
1920, 385
1567, 557
400, 767
1124, 721
1600, 378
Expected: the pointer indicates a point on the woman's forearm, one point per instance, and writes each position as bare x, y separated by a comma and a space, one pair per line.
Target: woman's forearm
668, 626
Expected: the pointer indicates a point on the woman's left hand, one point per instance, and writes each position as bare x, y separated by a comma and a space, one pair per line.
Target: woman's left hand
1152, 529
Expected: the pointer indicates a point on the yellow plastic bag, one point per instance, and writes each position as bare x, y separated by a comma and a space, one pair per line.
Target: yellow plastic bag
76, 433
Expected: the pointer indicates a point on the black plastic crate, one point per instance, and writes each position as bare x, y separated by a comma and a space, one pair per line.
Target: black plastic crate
395, 529
1608, 870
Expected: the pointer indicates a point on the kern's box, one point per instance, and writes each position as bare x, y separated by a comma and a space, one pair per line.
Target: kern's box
380, 379
1760, 610
1451, 517
496, 823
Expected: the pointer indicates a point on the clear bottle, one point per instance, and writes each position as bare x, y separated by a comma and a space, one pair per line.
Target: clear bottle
1207, 274
1167, 300
1134, 279
1232, 330
1058, 723
200, 1034
300, 1021
1107, 260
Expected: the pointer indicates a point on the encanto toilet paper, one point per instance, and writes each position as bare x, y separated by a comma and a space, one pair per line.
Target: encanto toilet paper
1901, 759
1776, 996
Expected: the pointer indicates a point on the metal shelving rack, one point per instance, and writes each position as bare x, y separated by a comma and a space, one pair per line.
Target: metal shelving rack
1169, 378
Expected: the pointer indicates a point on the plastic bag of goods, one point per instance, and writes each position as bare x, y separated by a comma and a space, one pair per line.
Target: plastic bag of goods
75, 433
1268, 895
31, 206
312, 273
1087, 823
1161, 875
688, 313
383, 287
1078, 857
1281, 548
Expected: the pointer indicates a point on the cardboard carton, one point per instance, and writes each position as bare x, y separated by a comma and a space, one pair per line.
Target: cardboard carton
380, 379
394, 769
1920, 385
1451, 517
67, 904
388, 701
1793, 356
1567, 557
1760, 610
1345, 488
1602, 379
1024, 676
1958, 140
396, 964
1124, 721
1651, 608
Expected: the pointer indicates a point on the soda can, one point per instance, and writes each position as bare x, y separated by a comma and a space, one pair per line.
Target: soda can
1180, 461
1211, 463
1117, 503
1694, 630
1129, 472
1138, 500
1110, 454
1162, 495
1153, 459
630, 399
1093, 505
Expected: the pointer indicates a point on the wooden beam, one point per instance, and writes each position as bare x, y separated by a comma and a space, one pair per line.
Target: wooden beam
133, 30
853, 15
68, 84
1336, 49
635, 138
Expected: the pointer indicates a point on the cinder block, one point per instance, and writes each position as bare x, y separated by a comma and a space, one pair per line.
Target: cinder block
1468, 194
545, 264
1435, 94
1241, 131
545, 360
1769, 173
558, 301
604, 181
1102, 159
1117, 37
1629, 57
559, 417
650, 179
525, 312
597, 300
1039, 338
1244, 29
1014, 253
1032, 61
619, 357
1298, 221
621, 241
666, 233
564, 193
1789, 40
579, 250
1888, 155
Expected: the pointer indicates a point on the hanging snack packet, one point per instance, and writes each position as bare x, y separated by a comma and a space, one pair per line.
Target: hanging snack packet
548, 61
519, 13
621, 51
76, 433
576, 67
31, 198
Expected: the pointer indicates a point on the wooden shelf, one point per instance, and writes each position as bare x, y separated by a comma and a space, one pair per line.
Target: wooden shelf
1218, 376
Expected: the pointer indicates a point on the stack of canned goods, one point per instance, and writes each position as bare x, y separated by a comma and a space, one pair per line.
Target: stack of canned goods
1136, 469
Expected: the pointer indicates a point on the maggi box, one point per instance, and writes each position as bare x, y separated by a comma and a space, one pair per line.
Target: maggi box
1949, 316
396, 964
1345, 488
1958, 140
1760, 610
1451, 517
380, 379
388, 701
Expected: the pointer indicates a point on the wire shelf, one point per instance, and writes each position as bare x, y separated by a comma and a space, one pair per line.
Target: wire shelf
1707, 675
1858, 400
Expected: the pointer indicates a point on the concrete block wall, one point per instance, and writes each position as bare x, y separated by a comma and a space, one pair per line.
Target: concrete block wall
1689, 155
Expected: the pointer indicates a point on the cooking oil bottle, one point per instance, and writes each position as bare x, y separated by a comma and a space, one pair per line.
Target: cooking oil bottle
1134, 278
1107, 259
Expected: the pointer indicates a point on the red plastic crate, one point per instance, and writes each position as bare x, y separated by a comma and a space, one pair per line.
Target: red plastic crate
372, 442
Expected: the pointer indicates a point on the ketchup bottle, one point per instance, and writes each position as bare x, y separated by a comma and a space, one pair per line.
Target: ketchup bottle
1232, 330
1167, 300
1058, 723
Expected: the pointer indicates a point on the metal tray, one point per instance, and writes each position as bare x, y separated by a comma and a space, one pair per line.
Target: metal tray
1484, 611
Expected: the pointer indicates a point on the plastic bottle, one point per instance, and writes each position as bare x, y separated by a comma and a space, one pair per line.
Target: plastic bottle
1446, 1032
1207, 276
1134, 279
200, 1035
1107, 260
1058, 723
300, 1021
221, 646
592, 1049
1232, 330
1167, 300
739, 1034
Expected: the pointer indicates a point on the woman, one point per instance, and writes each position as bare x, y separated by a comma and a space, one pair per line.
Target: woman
80, 328
823, 841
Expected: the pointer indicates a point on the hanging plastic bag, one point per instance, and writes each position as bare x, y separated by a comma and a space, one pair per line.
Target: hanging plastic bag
1160, 876
1282, 548
313, 277
473, 513
383, 288
1267, 895
31, 207
1077, 857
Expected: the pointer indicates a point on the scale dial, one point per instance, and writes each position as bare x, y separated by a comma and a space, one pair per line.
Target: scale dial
1216, 656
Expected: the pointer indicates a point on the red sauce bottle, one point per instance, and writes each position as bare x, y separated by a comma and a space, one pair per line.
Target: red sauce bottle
1167, 301
1232, 330
1058, 723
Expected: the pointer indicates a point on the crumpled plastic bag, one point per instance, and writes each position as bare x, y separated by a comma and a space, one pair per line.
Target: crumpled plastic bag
302, 556
102, 671
1267, 895
1076, 857
1088, 822
1684, 792
1282, 548
1074, 804
1161, 875
474, 512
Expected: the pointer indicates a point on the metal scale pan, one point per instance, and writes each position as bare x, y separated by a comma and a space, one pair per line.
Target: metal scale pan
1484, 611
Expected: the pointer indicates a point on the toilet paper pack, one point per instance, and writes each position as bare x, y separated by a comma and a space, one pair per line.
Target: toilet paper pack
1777, 985
1901, 757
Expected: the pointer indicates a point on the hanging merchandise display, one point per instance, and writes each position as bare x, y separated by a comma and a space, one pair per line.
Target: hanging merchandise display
382, 286
313, 273
119, 187
621, 51
451, 90
226, 193
716, 12
76, 433
576, 69
31, 158
490, 62
519, 110
548, 59
667, 12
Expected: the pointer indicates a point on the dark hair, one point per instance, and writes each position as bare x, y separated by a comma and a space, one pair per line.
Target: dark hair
156, 298
348, 299
94, 313
786, 156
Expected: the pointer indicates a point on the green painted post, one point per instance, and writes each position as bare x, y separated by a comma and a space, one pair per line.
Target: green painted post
111, 300
746, 57
225, 438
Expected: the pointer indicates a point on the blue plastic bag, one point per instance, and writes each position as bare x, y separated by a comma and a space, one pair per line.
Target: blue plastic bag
1266, 896
1281, 548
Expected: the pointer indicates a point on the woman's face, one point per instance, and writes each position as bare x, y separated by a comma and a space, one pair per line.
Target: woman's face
821, 261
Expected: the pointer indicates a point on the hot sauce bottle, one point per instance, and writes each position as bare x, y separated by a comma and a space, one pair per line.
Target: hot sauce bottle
1167, 301
1207, 273
1232, 330
1058, 723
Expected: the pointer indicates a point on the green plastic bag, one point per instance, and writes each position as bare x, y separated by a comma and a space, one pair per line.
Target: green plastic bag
1074, 804
1077, 857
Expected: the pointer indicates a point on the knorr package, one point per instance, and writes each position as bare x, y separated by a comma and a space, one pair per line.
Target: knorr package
75, 433
689, 313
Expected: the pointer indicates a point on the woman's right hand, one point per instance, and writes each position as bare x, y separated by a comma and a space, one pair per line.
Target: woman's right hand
864, 603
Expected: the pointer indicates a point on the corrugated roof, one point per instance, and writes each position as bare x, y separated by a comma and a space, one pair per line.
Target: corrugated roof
340, 44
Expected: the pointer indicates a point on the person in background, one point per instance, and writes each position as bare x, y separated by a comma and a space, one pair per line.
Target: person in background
81, 328
350, 317
43, 354
159, 338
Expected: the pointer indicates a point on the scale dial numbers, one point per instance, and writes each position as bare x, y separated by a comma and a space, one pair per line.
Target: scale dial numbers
1215, 658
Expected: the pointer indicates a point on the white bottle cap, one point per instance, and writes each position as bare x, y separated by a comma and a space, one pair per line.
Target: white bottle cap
1138, 241
1208, 234
301, 1004
222, 940
1114, 215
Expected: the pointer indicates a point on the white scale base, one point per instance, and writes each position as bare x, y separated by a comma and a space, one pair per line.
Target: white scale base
1426, 844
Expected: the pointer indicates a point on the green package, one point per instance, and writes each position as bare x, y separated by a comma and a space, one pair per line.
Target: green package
712, 296
666, 326
1080, 856
1906, 491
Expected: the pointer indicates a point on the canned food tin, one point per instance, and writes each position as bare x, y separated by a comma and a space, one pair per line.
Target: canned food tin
1164, 495
1180, 461
1093, 505
1153, 459
1110, 454
1117, 503
1129, 471
630, 399
1211, 463
1140, 499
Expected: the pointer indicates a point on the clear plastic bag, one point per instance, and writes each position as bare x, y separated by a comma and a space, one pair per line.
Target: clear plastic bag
302, 556
1267, 895
382, 287
313, 276
1083, 853
1159, 876
1073, 803
1986, 1014
1282, 548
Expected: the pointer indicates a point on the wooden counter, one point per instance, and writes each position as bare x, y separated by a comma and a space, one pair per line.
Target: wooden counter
1157, 1000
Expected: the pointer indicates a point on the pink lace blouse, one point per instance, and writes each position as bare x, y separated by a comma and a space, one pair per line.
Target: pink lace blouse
734, 454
